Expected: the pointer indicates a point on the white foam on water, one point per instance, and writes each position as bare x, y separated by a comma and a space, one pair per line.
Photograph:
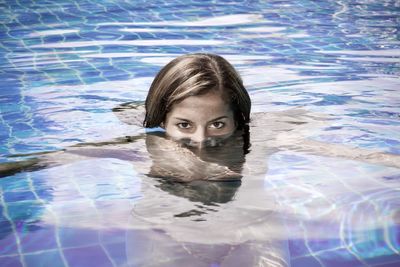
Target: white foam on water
127, 54
263, 29
234, 59
227, 20
158, 42
386, 52
52, 32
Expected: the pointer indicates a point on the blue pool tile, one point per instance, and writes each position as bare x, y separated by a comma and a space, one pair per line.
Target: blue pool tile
340, 257
111, 236
68, 193
383, 260
89, 79
115, 76
87, 256
371, 244
389, 264
305, 262
45, 193
25, 132
117, 252
72, 237
298, 248
44, 259
18, 196
53, 39
17, 182
25, 211
36, 238
5, 224
8, 242
323, 244
10, 261
14, 116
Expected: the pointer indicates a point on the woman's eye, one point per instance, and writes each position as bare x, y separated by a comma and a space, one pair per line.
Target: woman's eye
184, 125
217, 125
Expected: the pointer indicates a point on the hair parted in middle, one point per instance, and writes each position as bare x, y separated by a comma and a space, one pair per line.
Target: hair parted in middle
192, 75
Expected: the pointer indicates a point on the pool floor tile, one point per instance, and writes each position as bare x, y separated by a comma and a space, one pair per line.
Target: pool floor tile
44, 259
8, 244
87, 256
117, 251
18, 196
41, 238
10, 262
73, 237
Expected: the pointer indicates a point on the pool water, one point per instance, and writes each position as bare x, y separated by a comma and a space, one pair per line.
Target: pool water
324, 71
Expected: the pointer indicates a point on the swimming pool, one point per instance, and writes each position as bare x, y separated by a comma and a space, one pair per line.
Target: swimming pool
66, 64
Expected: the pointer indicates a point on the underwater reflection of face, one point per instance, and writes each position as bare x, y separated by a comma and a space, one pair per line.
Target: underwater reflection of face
210, 178
200, 121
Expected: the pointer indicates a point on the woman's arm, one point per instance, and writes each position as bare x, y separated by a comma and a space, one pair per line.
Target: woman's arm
347, 152
151, 154
289, 130
120, 148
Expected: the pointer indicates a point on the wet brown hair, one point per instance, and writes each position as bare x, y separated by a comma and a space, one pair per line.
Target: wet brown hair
192, 75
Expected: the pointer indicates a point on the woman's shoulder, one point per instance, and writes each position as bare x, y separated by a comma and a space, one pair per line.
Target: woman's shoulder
290, 124
294, 116
131, 113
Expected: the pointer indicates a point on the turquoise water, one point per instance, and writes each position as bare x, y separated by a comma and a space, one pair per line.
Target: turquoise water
65, 65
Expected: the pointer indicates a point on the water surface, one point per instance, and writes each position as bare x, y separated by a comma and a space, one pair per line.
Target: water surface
65, 65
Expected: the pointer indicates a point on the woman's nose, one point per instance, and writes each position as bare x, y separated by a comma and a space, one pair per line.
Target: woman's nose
199, 137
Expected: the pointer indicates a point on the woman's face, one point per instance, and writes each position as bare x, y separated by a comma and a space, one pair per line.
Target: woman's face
200, 120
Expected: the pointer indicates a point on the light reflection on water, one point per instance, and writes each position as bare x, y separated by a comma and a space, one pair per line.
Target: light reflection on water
65, 66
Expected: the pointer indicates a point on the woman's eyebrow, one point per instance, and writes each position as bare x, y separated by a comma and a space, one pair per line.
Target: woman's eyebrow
182, 119
218, 118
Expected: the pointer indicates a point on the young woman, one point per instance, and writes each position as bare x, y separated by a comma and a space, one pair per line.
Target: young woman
198, 98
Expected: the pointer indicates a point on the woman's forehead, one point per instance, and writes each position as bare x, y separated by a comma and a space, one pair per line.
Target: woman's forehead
210, 103
210, 99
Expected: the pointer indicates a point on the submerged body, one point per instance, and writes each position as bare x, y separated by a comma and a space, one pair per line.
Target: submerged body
172, 218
